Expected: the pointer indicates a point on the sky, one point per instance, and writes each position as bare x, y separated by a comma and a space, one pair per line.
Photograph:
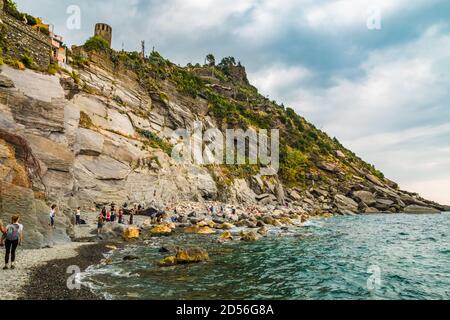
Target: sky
373, 73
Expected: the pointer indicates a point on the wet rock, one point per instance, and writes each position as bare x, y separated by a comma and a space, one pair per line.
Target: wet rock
263, 231
419, 209
225, 226
131, 233
191, 256
161, 230
249, 236
169, 249
226, 236
130, 258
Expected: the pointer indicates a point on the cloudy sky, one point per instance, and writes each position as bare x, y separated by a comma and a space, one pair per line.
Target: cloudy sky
384, 93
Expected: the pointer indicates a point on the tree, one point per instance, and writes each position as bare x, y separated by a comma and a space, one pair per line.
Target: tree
211, 60
228, 61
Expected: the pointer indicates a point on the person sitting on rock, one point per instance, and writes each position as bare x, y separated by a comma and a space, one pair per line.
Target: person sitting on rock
13, 238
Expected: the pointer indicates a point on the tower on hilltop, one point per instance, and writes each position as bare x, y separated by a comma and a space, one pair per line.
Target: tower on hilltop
105, 31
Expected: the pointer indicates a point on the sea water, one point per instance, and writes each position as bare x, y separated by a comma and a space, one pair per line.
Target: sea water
358, 257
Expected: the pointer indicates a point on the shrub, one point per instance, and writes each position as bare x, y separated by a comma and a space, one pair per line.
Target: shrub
27, 60
97, 43
15, 64
53, 68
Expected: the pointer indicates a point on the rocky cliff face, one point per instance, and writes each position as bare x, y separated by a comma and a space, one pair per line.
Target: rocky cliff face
98, 135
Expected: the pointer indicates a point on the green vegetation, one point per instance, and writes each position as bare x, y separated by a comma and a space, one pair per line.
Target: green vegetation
53, 68
27, 61
155, 142
234, 103
85, 121
97, 44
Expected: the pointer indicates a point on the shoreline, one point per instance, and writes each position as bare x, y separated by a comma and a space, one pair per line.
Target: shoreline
49, 281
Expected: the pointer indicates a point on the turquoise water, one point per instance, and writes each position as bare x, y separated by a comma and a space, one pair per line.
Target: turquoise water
408, 256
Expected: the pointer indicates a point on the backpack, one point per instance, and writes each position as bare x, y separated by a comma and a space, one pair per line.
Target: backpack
12, 232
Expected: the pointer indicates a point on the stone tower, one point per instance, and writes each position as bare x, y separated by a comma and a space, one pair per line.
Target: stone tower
105, 31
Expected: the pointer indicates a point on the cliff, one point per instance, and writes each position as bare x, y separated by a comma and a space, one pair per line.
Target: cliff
100, 133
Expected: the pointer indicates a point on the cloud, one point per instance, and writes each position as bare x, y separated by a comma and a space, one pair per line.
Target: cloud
384, 93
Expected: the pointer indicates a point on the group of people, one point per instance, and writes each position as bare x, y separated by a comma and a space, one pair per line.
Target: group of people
11, 238
114, 215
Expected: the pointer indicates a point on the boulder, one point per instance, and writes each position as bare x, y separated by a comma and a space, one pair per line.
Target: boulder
131, 233
6, 82
345, 204
168, 262
365, 196
161, 230
419, 209
249, 236
263, 231
199, 230
225, 226
226, 236
191, 256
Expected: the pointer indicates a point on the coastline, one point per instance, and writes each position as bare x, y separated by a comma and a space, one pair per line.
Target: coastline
49, 281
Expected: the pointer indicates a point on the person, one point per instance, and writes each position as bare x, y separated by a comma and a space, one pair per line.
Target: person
3, 234
113, 212
78, 216
52, 216
121, 216
13, 238
108, 216
100, 223
103, 213
131, 220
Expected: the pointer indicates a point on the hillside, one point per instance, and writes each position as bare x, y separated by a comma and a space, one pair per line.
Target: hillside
99, 132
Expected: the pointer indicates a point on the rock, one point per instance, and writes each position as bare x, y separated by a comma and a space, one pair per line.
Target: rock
340, 154
111, 247
286, 221
225, 226
330, 167
161, 230
371, 210
263, 231
365, 196
131, 233
226, 236
130, 258
168, 262
374, 180
199, 230
168, 249
207, 223
383, 204
205, 230
419, 209
6, 82
345, 204
249, 236
295, 195
191, 256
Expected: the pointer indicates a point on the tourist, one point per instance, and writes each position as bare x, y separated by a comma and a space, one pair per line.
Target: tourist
108, 216
13, 239
100, 223
78, 216
103, 213
131, 220
3, 233
121, 216
113, 212
52, 216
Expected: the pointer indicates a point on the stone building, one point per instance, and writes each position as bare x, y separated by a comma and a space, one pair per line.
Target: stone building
105, 31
